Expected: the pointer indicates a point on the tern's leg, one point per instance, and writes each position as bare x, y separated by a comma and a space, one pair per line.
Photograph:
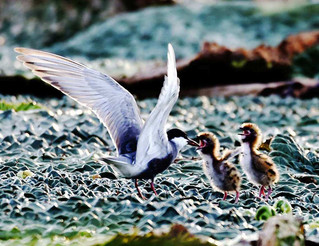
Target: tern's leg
261, 191
268, 193
138, 190
153, 188
237, 196
225, 196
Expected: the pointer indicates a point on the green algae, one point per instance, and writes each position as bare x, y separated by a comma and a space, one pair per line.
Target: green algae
282, 206
265, 212
23, 106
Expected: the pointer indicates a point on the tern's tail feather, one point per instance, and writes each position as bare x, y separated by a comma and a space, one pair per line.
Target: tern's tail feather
115, 160
122, 164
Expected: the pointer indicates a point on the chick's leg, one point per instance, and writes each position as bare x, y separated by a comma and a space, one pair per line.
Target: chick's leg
237, 196
225, 196
268, 193
261, 191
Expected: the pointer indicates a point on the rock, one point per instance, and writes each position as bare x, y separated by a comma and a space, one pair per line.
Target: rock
134, 5
121, 45
282, 230
219, 65
299, 87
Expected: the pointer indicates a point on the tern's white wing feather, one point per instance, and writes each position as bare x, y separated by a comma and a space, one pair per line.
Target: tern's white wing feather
114, 105
153, 140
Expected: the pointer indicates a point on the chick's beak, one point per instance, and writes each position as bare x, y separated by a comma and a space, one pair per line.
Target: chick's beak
202, 144
192, 142
241, 133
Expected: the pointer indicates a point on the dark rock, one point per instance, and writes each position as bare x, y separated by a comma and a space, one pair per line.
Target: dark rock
219, 65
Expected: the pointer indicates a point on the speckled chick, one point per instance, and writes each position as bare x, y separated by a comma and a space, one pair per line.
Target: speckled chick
259, 168
222, 174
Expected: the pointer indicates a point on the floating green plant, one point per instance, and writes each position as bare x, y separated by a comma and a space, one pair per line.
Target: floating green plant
24, 106
25, 174
283, 207
239, 64
265, 212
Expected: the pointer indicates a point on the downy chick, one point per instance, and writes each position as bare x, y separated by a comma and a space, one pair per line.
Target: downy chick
259, 168
222, 174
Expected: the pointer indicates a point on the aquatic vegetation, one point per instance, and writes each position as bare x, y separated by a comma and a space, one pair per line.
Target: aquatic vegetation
283, 206
72, 195
177, 235
54, 190
265, 212
23, 106
25, 174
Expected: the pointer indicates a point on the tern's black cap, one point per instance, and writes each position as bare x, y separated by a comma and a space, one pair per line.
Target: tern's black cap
175, 133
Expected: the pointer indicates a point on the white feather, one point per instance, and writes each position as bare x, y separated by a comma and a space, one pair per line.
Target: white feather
180, 142
115, 106
153, 139
246, 162
209, 171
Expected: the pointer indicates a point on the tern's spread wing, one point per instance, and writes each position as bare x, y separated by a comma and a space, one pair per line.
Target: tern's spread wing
114, 105
153, 140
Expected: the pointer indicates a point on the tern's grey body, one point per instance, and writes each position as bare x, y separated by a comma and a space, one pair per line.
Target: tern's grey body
144, 149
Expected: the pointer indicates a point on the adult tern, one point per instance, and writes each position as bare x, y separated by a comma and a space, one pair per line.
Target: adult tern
143, 149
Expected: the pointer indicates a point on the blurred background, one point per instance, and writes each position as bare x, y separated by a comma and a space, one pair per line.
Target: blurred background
222, 47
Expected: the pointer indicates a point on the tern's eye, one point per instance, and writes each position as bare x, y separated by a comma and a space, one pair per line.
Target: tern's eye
247, 132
